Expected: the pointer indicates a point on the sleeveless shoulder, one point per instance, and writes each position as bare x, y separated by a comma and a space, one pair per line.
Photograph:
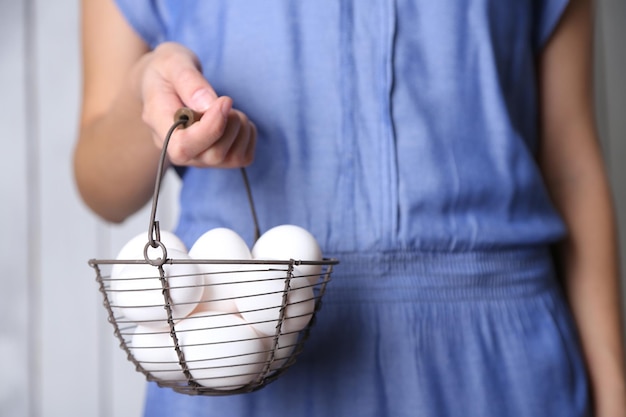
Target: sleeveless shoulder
548, 14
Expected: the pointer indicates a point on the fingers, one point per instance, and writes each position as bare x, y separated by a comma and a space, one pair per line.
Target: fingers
223, 137
187, 145
173, 79
202, 145
241, 152
233, 150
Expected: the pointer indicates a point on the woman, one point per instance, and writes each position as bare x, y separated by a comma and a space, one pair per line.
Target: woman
438, 149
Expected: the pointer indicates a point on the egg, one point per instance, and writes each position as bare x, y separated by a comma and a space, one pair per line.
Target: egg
285, 346
223, 244
221, 351
154, 349
260, 300
287, 242
299, 310
133, 249
137, 291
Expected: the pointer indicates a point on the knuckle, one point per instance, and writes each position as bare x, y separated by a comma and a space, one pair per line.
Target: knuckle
187, 75
177, 154
241, 116
165, 52
248, 157
168, 49
216, 130
174, 56
146, 113
207, 160
245, 159
215, 156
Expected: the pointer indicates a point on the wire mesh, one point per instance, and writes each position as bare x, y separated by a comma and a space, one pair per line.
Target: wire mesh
209, 351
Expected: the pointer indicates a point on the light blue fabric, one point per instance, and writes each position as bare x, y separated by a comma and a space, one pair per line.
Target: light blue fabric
402, 134
467, 334
383, 125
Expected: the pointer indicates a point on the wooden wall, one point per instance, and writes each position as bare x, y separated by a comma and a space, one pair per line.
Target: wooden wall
58, 356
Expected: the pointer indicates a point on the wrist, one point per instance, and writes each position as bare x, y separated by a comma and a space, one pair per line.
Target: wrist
136, 77
610, 398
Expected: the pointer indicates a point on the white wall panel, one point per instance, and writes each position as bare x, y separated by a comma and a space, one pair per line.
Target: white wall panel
611, 69
84, 372
15, 346
69, 375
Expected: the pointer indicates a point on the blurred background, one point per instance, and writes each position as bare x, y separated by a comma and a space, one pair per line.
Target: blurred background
58, 355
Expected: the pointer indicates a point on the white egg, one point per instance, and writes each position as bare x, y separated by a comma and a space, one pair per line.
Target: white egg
137, 291
219, 243
287, 242
260, 300
133, 249
223, 244
221, 351
154, 349
299, 310
286, 344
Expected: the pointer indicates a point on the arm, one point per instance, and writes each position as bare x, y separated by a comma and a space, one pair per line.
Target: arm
571, 160
130, 95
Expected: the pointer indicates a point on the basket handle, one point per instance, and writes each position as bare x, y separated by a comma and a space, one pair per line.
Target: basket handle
183, 118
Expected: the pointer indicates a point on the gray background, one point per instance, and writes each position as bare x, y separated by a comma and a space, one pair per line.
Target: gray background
58, 356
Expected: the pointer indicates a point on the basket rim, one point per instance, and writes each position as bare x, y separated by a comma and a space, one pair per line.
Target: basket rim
171, 261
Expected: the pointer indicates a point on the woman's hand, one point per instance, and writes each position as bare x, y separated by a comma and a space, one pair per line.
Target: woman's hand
129, 98
168, 78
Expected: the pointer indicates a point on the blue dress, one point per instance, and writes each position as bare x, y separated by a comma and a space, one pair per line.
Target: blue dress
402, 134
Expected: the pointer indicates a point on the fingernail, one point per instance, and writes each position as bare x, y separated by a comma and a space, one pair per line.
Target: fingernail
227, 105
202, 99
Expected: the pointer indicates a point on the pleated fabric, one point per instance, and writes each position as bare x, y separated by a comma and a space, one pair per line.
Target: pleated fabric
481, 334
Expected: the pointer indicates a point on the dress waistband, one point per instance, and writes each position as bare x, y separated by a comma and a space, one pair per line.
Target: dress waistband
397, 276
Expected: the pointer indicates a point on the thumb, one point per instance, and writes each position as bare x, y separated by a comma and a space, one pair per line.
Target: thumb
200, 99
185, 76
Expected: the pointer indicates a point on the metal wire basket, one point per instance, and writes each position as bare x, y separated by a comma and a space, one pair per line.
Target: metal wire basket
196, 345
